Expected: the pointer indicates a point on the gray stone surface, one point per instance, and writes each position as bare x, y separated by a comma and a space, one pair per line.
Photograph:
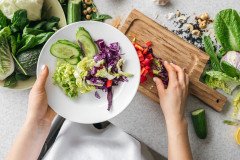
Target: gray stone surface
143, 118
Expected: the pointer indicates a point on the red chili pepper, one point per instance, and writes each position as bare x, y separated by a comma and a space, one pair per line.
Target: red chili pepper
138, 47
149, 44
109, 83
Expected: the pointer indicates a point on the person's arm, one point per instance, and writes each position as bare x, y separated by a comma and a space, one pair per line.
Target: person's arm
34, 132
172, 101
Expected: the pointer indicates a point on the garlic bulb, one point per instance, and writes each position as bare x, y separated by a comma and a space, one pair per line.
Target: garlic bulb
161, 2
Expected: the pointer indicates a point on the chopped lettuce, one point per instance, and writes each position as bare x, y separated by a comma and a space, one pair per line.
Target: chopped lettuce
103, 73
64, 78
120, 72
81, 72
236, 106
220, 80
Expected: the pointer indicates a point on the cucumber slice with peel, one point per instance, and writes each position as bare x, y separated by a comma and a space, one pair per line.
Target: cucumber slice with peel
64, 51
88, 46
199, 123
67, 42
83, 32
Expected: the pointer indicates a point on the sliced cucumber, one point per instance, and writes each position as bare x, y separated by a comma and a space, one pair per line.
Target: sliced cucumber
72, 61
64, 51
67, 42
83, 32
199, 123
88, 46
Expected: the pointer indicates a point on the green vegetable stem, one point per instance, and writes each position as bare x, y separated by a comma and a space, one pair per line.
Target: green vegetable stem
209, 48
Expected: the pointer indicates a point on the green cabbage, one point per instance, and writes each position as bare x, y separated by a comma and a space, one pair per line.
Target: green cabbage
220, 80
64, 78
81, 72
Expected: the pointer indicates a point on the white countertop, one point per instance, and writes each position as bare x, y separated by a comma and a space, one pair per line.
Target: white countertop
143, 118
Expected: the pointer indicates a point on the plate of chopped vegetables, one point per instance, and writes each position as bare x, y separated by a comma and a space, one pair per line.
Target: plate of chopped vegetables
94, 71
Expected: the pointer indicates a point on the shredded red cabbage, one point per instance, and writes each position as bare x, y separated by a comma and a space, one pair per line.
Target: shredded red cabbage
109, 98
97, 95
111, 54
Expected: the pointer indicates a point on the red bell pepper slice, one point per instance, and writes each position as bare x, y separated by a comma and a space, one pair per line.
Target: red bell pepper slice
138, 47
145, 51
149, 44
109, 83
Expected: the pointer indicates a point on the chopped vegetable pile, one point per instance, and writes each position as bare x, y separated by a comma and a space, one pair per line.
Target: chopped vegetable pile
87, 66
150, 64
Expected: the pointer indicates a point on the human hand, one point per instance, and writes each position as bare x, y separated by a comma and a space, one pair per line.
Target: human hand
39, 112
173, 99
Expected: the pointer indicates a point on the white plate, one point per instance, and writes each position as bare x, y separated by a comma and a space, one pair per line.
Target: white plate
87, 108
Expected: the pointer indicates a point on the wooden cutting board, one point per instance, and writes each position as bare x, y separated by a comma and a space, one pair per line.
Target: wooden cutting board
172, 48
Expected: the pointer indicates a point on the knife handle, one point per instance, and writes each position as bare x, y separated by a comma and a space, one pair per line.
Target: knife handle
56, 126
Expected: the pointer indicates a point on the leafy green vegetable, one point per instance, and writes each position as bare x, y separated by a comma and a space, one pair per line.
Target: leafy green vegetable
3, 20
6, 31
64, 78
14, 44
6, 60
231, 123
100, 17
221, 53
227, 29
10, 81
43, 37
209, 48
19, 20
48, 25
220, 80
31, 31
21, 77
27, 42
30, 41
51, 24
